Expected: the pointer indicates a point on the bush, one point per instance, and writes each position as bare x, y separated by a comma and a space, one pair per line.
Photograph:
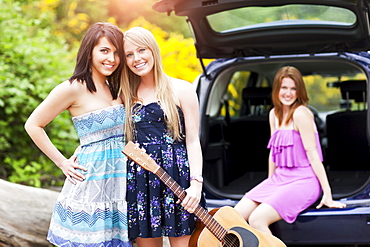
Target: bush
34, 61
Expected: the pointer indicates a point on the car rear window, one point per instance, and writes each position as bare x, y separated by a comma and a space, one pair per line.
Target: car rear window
269, 17
324, 93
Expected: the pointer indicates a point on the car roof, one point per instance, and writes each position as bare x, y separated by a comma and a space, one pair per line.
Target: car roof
236, 28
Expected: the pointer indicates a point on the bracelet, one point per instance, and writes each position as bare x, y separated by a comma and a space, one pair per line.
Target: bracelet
197, 178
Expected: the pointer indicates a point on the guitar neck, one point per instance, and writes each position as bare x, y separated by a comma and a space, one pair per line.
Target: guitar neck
200, 212
140, 157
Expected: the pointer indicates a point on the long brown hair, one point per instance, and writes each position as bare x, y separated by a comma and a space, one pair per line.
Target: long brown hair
302, 98
82, 71
163, 84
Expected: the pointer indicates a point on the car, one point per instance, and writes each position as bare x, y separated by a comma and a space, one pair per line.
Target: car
249, 40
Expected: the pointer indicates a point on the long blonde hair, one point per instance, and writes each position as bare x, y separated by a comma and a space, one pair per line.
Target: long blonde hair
163, 88
302, 98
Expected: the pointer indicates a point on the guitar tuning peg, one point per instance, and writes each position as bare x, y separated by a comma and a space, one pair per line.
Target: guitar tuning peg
136, 146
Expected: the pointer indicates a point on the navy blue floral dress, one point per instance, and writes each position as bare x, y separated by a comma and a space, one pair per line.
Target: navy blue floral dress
152, 208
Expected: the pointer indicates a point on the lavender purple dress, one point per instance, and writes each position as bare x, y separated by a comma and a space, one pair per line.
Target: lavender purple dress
294, 186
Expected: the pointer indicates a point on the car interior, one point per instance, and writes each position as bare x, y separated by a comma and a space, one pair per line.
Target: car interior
236, 154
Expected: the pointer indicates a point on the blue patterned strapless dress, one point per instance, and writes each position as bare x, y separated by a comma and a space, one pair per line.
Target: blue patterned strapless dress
93, 213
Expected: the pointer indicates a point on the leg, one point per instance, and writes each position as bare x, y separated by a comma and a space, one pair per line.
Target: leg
245, 207
182, 241
263, 216
149, 242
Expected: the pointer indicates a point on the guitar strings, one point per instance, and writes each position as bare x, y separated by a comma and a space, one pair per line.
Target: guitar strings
219, 232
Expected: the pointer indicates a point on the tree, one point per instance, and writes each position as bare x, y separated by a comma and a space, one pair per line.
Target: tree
25, 214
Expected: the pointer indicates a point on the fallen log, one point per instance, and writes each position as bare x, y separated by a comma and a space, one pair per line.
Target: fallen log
25, 214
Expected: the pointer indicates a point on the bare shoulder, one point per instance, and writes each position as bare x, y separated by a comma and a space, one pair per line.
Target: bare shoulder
179, 84
272, 115
67, 92
182, 89
272, 112
185, 93
302, 114
71, 87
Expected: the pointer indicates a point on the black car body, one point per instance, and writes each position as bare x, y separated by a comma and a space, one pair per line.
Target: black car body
327, 41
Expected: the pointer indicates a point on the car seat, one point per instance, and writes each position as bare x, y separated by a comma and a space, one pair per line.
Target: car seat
248, 135
348, 143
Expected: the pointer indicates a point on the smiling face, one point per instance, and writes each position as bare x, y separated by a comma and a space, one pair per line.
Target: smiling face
139, 59
288, 92
105, 59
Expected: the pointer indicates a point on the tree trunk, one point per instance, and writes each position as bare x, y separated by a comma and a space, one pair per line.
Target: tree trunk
25, 214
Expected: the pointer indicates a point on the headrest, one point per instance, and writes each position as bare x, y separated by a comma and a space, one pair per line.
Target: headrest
257, 96
354, 89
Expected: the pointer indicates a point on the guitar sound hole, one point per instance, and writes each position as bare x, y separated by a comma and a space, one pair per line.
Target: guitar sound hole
231, 240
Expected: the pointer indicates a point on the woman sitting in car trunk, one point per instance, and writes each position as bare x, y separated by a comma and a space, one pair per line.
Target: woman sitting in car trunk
296, 175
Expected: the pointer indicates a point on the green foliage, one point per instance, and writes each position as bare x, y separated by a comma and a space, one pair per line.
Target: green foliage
33, 62
73, 17
38, 44
25, 173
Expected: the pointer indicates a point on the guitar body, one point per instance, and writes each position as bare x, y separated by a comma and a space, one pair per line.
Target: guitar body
225, 226
240, 234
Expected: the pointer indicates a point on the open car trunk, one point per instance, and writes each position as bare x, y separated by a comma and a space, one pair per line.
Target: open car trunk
251, 40
237, 127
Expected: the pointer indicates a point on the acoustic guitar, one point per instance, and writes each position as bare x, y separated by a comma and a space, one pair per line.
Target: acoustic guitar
220, 227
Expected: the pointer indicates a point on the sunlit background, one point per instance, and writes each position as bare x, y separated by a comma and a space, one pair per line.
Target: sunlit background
38, 46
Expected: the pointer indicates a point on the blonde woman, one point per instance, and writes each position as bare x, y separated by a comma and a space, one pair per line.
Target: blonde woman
164, 119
